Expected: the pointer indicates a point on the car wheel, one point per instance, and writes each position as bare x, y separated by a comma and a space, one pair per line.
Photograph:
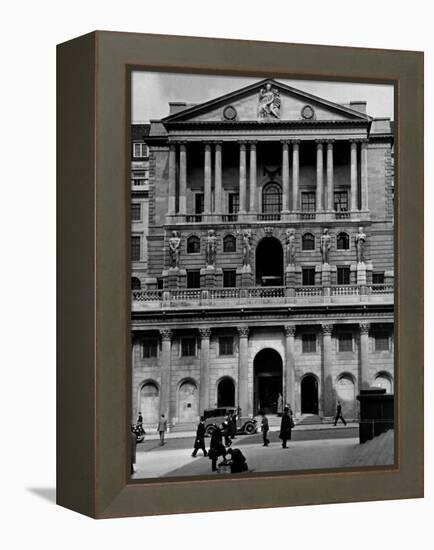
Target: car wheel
249, 428
209, 431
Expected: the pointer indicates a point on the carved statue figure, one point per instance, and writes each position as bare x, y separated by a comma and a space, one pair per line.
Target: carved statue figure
360, 245
211, 247
269, 102
290, 246
325, 245
247, 246
174, 249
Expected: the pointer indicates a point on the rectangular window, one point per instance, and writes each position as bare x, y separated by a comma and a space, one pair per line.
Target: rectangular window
382, 341
343, 275
341, 201
140, 150
308, 343
150, 348
199, 203
378, 278
188, 347
308, 201
229, 277
345, 340
136, 211
233, 203
135, 248
308, 274
226, 345
193, 278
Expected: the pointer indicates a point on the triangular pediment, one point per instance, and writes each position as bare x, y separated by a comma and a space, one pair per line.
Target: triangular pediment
267, 101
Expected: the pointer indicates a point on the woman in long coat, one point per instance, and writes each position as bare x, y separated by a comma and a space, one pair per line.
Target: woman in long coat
285, 427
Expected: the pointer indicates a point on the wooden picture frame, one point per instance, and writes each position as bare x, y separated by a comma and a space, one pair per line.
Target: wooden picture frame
93, 273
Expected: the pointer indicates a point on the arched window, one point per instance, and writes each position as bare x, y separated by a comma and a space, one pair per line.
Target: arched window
343, 241
193, 245
135, 283
384, 380
229, 244
271, 199
308, 242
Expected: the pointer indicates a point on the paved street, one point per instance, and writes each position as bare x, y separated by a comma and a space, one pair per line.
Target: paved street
324, 447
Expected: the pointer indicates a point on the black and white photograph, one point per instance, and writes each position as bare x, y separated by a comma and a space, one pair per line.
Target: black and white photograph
262, 275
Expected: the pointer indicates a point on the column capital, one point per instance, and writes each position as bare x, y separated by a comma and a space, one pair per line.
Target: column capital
289, 330
243, 332
205, 333
355, 141
320, 142
252, 142
364, 328
285, 142
327, 328
166, 334
294, 141
243, 144
329, 143
207, 144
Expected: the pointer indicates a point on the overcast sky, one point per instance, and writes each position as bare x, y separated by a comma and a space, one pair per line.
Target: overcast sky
152, 91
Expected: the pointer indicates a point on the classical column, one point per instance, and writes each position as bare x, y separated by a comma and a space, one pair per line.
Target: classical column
295, 174
319, 176
364, 162
327, 371
289, 393
218, 179
330, 184
205, 334
252, 176
285, 176
242, 184
165, 360
182, 178
207, 179
243, 370
364, 356
172, 179
353, 176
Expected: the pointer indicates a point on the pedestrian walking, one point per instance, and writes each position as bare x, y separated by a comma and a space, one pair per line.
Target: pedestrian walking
216, 447
264, 428
237, 461
162, 428
339, 414
233, 424
139, 425
199, 442
285, 427
226, 430
133, 443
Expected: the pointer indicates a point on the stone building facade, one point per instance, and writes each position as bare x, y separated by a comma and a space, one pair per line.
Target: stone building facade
262, 262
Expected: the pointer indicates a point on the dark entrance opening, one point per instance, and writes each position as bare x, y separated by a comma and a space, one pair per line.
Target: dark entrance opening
309, 395
267, 368
226, 393
269, 262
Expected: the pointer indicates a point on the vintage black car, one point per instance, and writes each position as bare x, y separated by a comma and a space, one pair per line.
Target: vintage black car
213, 417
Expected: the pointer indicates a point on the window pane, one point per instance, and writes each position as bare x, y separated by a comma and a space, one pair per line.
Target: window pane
308, 202
378, 278
135, 283
135, 211
150, 348
135, 248
193, 245
343, 274
271, 199
193, 278
199, 203
229, 278
308, 241
226, 345
341, 201
234, 203
309, 343
308, 276
343, 241
346, 341
229, 244
381, 341
188, 347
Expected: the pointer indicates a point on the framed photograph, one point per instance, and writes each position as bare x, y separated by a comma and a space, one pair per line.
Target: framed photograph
240, 274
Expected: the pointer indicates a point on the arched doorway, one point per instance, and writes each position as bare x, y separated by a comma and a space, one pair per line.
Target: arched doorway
269, 262
188, 403
149, 402
267, 369
226, 393
309, 395
384, 380
346, 394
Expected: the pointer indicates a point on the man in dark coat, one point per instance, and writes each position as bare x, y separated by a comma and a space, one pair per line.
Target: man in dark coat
264, 428
233, 425
285, 427
200, 438
216, 448
339, 414
226, 430
133, 449
237, 462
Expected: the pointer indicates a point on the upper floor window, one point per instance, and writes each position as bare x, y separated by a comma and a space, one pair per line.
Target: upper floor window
233, 203
199, 203
308, 203
140, 150
308, 242
229, 244
378, 278
193, 278
135, 283
341, 201
308, 343
188, 347
229, 278
343, 275
136, 212
345, 341
382, 341
193, 245
226, 345
271, 199
150, 348
135, 248
343, 241
308, 274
